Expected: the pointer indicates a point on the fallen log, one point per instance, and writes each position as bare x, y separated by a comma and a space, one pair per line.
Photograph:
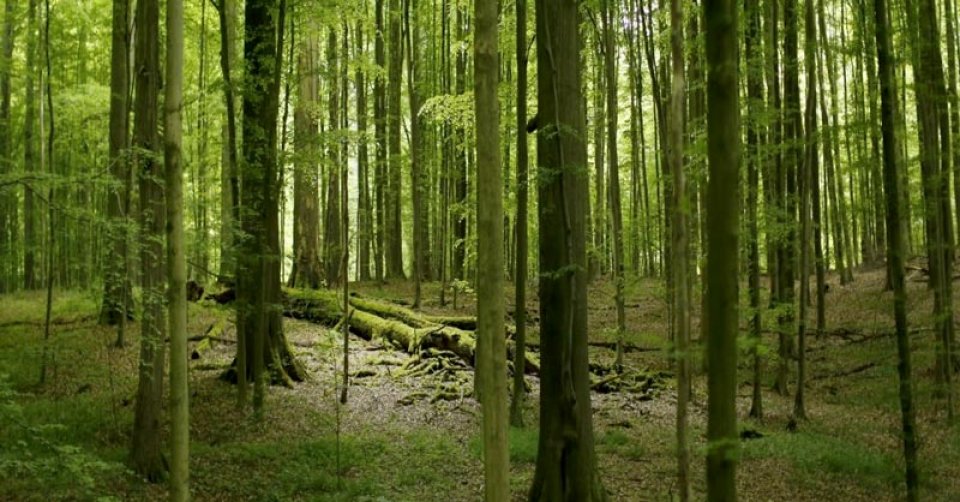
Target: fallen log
403, 328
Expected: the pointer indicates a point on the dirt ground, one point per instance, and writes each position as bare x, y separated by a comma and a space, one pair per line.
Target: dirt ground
391, 442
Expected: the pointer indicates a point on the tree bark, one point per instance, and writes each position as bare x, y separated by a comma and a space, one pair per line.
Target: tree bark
258, 270
491, 361
754, 60
520, 281
723, 226
566, 465
394, 228
891, 179
30, 244
176, 260
680, 297
145, 454
115, 275
306, 270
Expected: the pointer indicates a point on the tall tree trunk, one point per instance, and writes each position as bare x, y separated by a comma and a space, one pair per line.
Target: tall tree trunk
258, 271
176, 260
931, 106
520, 281
394, 228
146, 455
679, 245
306, 270
417, 181
364, 215
807, 178
491, 346
792, 164
30, 244
723, 226
611, 16
229, 170
115, 274
566, 465
888, 110
460, 160
754, 61
380, 138
331, 213
9, 219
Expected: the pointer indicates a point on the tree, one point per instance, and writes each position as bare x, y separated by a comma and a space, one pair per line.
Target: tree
229, 169
176, 261
491, 346
566, 466
30, 243
754, 69
679, 244
332, 250
145, 453
9, 219
393, 228
417, 181
888, 110
116, 285
380, 138
258, 267
520, 280
723, 227
807, 178
306, 270
610, 21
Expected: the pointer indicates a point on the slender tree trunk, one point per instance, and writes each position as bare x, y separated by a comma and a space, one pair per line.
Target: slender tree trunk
888, 109
231, 170
9, 219
332, 218
380, 138
176, 260
30, 244
394, 229
754, 61
115, 274
808, 177
520, 281
229, 182
491, 346
460, 161
416, 148
364, 216
611, 17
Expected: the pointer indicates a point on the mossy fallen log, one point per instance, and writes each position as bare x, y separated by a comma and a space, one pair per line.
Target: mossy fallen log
403, 328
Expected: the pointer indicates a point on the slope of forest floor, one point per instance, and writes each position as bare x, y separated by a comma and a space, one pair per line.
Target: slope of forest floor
67, 439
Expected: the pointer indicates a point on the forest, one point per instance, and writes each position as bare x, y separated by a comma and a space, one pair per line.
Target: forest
459, 250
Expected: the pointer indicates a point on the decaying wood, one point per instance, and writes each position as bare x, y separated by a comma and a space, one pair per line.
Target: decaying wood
405, 329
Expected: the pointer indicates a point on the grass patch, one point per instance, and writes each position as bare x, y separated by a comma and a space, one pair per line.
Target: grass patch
819, 454
523, 445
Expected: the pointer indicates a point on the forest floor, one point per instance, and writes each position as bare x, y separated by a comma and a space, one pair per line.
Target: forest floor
68, 439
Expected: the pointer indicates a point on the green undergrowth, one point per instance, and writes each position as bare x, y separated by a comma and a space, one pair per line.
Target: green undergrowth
814, 454
523, 445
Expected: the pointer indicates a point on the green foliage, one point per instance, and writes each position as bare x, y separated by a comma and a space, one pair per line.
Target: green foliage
523, 445
818, 454
36, 454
